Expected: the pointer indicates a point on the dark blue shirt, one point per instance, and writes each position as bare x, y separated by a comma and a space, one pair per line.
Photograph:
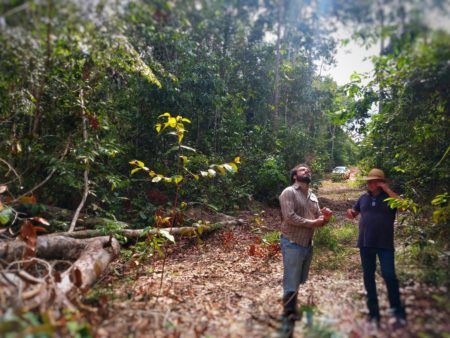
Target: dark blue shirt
376, 225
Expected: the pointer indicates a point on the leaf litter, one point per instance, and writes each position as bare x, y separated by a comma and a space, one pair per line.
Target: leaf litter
230, 285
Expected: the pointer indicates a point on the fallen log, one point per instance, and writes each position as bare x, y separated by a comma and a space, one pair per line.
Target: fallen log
139, 233
23, 291
47, 247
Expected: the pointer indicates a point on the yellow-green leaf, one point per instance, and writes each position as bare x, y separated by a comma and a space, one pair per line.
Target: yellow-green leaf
229, 168
165, 114
167, 235
180, 137
237, 159
178, 179
185, 159
186, 120
135, 170
234, 166
136, 162
152, 173
221, 169
172, 122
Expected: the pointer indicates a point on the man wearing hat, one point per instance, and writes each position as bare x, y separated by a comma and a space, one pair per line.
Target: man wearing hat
376, 238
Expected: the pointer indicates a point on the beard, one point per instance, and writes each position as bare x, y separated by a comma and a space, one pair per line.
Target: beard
304, 179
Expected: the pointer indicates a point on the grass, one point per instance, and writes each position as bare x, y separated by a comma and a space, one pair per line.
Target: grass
334, 246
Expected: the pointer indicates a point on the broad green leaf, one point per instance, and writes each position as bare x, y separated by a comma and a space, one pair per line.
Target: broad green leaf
167, 235
6, 215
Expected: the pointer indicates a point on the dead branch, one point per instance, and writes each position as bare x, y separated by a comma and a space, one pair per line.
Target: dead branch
52, 172
11, 168
139, 233
22, 290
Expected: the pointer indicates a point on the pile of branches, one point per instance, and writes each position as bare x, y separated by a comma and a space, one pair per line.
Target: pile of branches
60, 269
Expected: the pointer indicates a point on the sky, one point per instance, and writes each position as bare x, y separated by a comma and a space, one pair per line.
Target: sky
354, 57
349, 59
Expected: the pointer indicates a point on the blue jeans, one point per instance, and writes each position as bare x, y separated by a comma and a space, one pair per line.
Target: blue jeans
296, 263
369, 263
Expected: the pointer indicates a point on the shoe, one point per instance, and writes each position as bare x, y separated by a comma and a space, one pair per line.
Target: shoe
290, 311
374, 321
287, 327
399, 323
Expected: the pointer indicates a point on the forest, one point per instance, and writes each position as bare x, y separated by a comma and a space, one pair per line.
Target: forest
144, 146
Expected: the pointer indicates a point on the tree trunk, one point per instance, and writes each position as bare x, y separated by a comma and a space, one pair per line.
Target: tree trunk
86, 169
277, 68
139, 233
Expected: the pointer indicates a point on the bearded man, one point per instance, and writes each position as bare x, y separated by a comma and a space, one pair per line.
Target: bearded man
301, 215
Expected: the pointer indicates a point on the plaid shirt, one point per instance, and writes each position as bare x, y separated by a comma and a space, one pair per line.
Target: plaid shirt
298, 210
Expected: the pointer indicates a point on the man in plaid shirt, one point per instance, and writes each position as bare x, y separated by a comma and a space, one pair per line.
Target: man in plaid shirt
301, 214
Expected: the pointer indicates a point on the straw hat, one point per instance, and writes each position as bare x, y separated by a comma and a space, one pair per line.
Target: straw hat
375, 174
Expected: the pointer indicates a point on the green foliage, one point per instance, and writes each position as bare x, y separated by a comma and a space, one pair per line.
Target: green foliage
270, 179
334, 244
402, 204
425, 262
318, 330
441, 213
39, 325
325, 238
271, 237
335, 238
408, 138
132, 63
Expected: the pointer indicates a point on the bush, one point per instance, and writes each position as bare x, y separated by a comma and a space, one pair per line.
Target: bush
325, 238
270, 180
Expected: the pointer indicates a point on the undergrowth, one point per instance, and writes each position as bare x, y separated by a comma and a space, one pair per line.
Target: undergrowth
333, 246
